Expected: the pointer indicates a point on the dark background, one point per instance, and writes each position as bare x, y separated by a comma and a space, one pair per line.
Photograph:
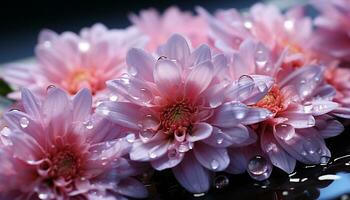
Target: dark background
21, 21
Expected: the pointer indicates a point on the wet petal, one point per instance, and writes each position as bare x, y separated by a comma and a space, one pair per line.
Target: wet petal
199, 79
140, 64
82, 103
191, 175
122, 113
132, 188
226, 137
30, 104
276, 153
167, 76
200, 132
149, 151
212, 158
176, 48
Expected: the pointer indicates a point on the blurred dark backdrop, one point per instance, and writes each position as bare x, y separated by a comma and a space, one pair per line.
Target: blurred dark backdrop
21, 21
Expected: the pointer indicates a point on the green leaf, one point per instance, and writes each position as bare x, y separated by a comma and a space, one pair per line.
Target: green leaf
4, 88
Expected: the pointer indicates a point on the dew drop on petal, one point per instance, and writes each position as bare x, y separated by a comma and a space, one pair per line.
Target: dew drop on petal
308, 107
133, 71
50, 87
284, 132
130, 137
145, 95
324, 160
261, 57
113, 98
146, 135
152, 154
221, 182
214, 164
89, 124
24, 122
258, 168
244, 79
149, 122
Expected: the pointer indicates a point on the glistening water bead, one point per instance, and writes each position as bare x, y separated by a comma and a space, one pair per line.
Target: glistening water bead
259, 168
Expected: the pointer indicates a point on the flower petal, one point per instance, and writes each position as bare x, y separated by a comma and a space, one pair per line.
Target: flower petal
305, 145
167, 76
176, 48
191, 175
277, 155
151, 150
200, 132
132, 188
328, 127
212, 158
199, 79
140, 64
229, 114
122, 113
167, 161
82, 103
298, 120
30, 104
225, 137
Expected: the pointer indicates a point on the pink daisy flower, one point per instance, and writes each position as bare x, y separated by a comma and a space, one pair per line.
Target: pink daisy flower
338, 77
300, 102
333, 29
160, 27
266, 24
185, 112
72, 62
55, 149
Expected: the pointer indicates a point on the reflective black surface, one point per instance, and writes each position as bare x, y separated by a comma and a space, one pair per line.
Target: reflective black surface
329, 181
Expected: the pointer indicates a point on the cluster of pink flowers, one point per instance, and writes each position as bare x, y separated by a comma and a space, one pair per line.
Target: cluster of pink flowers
197, 94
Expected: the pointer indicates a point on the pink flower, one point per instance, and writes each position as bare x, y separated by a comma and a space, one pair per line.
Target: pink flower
55, 149
178, 104
160, 27
266, 24
333, 29
72, 62
338, 77
300, 102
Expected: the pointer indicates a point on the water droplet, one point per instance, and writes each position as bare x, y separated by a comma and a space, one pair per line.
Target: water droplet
152, 154
219, 140
132, 70
24, 122
262, 87
308, 107
113, 98
324, 160
184, 147
149, 122
130, 137
214, 164
259, 168
89, 124
285, 193
221, 182
146, 135
145, 95
285, 131
261, 56
50, 87
162, 57
244, 79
